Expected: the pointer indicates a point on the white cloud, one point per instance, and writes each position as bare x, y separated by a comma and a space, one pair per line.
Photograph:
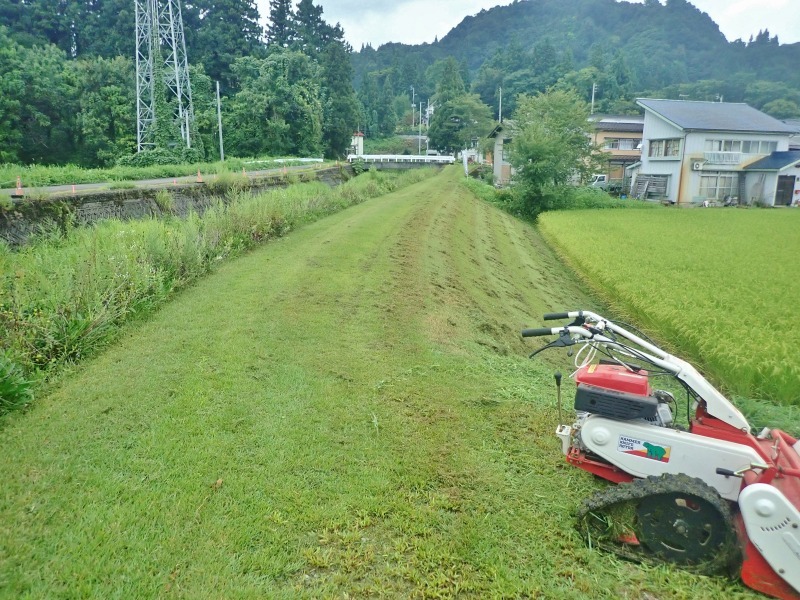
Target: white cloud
416, 21
406, 21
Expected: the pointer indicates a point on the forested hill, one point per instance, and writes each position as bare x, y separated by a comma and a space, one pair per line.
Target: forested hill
646, 48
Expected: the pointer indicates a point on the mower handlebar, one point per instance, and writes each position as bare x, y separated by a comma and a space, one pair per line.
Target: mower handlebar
556, 316
540, 332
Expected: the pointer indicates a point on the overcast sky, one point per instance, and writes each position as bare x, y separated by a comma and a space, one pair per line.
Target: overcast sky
416, 21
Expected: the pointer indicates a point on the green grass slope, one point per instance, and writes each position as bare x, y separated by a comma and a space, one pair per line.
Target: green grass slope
345, 412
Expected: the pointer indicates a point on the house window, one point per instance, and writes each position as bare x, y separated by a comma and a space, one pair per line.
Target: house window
716, 186
744, 146
665, 148
506, 151
620, 144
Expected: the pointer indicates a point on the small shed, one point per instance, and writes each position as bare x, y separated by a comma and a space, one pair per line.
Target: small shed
774, 180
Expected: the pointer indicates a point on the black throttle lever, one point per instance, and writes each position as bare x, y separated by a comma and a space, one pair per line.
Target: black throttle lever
563, 341
727, 472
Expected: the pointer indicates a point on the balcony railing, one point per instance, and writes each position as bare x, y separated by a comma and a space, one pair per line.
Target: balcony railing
723, 158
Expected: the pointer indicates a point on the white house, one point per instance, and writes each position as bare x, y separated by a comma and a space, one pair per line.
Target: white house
698, 151
357, 144
502, 136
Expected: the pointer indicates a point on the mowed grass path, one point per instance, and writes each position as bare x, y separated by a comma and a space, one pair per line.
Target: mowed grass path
346, 412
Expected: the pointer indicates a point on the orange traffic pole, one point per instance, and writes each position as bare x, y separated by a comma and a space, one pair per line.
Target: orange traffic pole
19, 191
199, 177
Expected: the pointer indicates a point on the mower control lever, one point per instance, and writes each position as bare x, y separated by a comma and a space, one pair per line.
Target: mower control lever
728, 472
741, 472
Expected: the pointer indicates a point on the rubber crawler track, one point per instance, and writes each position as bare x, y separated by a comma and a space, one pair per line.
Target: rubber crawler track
725, 558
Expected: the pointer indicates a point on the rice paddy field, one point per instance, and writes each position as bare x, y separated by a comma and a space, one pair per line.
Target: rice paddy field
719, 287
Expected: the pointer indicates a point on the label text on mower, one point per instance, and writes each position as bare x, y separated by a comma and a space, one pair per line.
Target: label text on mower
628, 445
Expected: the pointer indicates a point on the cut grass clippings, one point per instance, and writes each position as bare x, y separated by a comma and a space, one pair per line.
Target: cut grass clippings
345, 412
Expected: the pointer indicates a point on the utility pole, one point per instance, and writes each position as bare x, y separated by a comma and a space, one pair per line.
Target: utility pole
500, 115
219, 125
419, 151
160, 41
413, 106
594, 89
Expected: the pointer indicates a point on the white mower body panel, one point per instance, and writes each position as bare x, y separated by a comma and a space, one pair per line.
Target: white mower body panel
773, 525
642, 450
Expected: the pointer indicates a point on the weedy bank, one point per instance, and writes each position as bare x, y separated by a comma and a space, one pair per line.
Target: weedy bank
64, 295
720, 285
345, 412
38, 176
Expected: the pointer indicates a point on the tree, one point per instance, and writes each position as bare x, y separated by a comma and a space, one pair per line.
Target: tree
450, 83
280, 31
278, 109
551, 147
339, 99
46, 119
311, 33
225, 30
458, 121
12, 88
106, 126
782, 109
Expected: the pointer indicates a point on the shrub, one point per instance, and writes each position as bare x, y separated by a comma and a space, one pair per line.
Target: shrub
165, 202
359, 166
161, 156
226, 182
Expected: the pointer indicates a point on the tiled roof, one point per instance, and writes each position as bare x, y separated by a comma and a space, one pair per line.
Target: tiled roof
615, 126
775, 161
715, 116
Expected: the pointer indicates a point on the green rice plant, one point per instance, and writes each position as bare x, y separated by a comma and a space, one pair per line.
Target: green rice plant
716, 285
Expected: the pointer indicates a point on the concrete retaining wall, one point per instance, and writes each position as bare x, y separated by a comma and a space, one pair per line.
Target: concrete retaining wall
27, 216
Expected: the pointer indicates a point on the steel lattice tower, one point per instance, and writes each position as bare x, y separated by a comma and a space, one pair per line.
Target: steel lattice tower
160, 41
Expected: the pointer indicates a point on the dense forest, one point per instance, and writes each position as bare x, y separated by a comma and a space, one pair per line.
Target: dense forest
67, 84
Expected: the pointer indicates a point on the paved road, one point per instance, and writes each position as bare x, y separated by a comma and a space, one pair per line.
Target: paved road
148, 183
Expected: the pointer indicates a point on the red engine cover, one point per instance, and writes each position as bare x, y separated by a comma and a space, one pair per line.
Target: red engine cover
614, 377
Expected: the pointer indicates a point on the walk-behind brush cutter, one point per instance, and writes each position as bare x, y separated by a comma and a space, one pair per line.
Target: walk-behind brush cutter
711, 497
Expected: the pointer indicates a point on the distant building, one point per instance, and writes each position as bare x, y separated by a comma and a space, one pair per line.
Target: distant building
696, 152
357, 144
502, 135
620, 137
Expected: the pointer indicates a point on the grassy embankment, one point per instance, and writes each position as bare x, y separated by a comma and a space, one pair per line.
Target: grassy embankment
65, 294
345, 412
719, 285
